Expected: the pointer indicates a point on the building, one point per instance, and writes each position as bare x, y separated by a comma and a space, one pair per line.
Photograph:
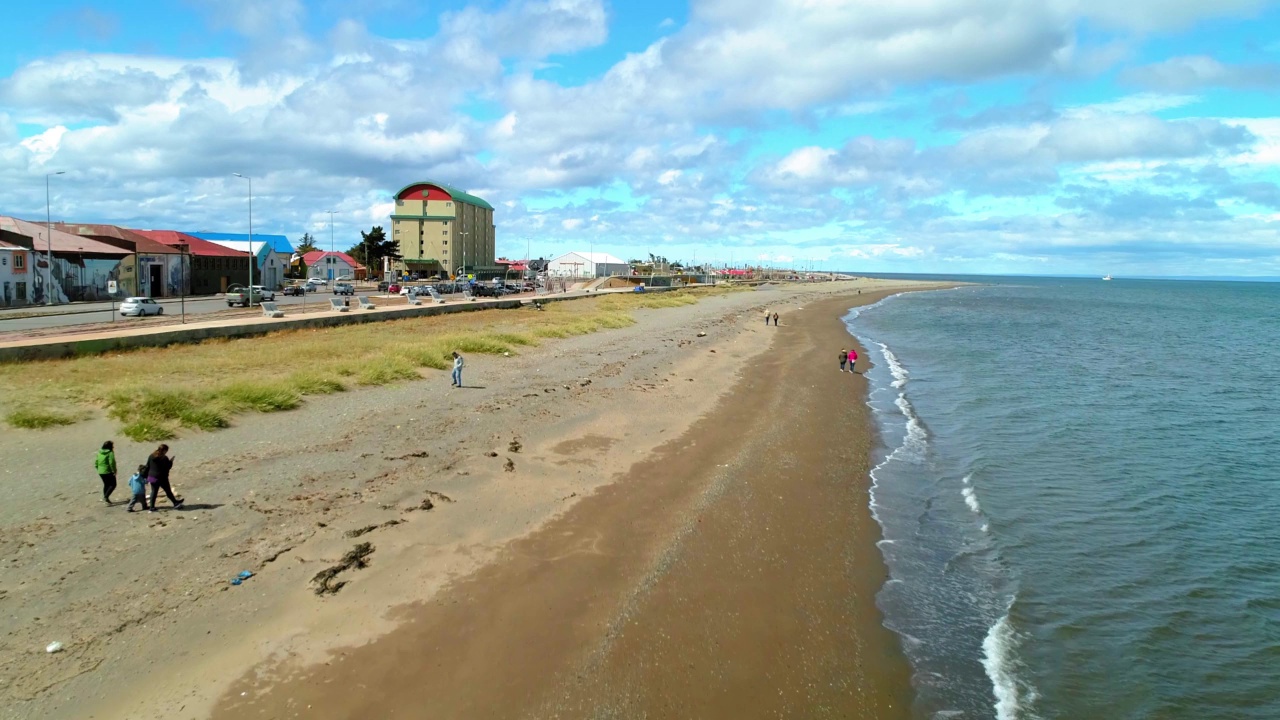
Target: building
214, 268
332, 266
272, 252
441, 230
157, 270
15, 275
78, 267
586, 264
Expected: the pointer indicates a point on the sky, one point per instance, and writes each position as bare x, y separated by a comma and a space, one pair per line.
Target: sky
938, 136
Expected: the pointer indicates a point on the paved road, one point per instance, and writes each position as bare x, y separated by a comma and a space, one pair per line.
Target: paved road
89, 313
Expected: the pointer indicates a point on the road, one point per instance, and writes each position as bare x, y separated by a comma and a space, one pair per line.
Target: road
35, 318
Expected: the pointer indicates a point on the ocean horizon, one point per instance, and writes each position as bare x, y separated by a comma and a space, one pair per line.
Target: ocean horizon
1076, 500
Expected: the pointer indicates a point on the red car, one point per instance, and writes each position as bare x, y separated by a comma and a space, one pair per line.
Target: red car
393, 289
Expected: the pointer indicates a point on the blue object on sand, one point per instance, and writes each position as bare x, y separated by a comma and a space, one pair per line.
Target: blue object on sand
237, 581
245, 574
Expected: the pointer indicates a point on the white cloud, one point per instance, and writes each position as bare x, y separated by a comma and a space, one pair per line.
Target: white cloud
1194, 72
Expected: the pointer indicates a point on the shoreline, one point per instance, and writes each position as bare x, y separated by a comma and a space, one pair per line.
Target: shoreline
664, 591
278, 493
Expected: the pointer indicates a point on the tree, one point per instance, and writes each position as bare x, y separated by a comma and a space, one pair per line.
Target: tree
306, 244
373, 247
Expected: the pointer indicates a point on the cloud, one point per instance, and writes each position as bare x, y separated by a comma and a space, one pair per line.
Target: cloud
1196, 72
86, 22
83, 87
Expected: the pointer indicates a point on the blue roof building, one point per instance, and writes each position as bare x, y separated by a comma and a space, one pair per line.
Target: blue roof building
279, 243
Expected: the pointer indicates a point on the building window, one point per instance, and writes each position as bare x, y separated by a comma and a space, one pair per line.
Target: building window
444, 232
4, 261
399, 203
19, 261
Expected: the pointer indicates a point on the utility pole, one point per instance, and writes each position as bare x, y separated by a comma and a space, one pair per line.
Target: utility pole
48, 247
252, 257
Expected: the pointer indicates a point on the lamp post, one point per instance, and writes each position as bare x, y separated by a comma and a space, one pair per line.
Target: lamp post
251, 256
48, 248
331, 212
464, 235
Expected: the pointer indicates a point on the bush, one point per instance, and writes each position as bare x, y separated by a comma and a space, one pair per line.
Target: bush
260, 397
147, 431
37, 419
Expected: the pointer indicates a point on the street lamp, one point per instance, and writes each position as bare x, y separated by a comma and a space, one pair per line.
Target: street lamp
331, 212
464, 235
251, 257
48, 248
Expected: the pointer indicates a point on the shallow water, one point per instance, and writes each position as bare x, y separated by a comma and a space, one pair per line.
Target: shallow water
1080, 496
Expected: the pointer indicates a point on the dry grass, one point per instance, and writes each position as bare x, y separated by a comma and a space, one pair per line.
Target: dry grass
156, 392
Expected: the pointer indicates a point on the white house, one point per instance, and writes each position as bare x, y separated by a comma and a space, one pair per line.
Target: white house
15, 264
585, 264
331, 265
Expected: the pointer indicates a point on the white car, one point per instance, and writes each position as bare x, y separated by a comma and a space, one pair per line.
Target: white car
268, 295
140, 306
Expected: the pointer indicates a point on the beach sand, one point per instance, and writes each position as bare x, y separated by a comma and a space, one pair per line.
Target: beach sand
681, 532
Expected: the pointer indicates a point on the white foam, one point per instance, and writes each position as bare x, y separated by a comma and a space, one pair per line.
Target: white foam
999, 648
971, 500
900, 374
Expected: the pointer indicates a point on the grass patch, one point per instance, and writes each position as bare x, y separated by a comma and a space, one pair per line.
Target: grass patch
207, 384
147, 431
37, 419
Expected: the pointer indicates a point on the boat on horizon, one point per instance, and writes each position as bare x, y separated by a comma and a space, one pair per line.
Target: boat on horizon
1107, 276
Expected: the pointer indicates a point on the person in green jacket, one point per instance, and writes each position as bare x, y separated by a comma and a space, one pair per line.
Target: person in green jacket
105, 464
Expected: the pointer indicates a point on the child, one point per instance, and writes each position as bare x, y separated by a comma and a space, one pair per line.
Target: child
138, 486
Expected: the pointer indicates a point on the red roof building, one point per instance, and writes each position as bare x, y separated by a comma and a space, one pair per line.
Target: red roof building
332, 265
214, 267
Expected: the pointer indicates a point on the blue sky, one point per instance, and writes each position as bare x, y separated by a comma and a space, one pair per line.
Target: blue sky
986, 136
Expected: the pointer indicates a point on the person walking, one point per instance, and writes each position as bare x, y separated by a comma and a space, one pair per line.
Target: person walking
458, 363
775, 319
158, 467
138, 486
766, 318
105, 464
853, 358
843, 356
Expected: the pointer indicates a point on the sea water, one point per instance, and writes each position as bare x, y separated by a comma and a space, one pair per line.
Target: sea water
1079, 490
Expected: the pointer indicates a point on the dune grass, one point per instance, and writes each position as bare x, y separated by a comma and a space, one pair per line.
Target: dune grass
37, 419
157, 392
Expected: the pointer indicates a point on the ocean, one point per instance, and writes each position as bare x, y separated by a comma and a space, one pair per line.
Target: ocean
1079, 490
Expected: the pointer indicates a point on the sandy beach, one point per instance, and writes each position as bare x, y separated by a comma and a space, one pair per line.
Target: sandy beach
663, 520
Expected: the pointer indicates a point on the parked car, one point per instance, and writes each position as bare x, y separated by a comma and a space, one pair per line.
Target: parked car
140, 306
344, 289
295, 290
394, 289
317, 281
382, 286
266, 294
239, 295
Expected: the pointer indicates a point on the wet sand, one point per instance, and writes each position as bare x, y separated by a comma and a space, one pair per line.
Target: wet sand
730, 573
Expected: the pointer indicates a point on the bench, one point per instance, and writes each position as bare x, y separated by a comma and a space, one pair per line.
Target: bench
270, 310
337, 305
414, 299
365, 303
466, 295
435, 296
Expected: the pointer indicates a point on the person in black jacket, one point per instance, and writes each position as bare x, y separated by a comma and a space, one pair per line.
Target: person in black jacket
158, 466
